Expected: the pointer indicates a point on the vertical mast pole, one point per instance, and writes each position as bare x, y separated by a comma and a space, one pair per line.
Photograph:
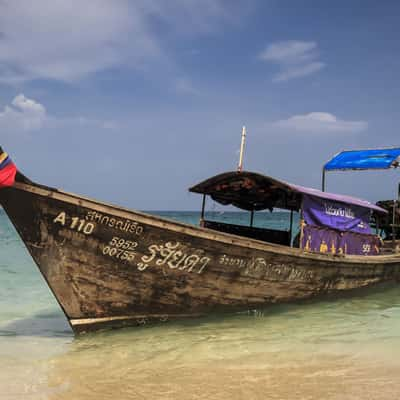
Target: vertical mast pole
240, 166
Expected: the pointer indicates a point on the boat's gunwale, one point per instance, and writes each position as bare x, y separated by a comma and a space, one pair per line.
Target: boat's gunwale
201, 232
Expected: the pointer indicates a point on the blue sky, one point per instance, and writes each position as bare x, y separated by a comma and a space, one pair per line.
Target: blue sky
132, 102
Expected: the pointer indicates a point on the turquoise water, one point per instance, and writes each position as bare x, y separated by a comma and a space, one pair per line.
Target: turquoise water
338, 349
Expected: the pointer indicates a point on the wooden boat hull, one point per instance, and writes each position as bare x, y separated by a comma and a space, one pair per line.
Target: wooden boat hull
110, 267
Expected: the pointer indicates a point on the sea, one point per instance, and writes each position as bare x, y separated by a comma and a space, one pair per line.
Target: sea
339, 348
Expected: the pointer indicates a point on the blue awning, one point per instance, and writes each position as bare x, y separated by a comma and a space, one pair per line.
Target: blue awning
365, 159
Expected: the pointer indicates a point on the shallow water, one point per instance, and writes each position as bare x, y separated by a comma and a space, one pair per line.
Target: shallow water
338, 349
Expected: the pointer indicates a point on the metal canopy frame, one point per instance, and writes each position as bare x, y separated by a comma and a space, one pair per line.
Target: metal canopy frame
392, 166
395, 164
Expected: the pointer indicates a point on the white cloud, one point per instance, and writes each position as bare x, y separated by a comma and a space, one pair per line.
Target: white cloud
295, 59
290, 51
23, 115
320, 122
28, 106
28, 115
69, 39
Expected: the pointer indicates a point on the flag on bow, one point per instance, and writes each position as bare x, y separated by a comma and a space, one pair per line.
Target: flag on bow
8, 170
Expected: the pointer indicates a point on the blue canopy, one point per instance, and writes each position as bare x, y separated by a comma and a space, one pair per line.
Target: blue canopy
365, 159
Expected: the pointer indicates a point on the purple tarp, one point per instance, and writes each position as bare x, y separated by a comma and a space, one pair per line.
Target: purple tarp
336, 215
336, 227
336, 197
324, 240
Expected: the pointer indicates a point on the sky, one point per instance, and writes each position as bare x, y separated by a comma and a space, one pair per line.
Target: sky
133, 102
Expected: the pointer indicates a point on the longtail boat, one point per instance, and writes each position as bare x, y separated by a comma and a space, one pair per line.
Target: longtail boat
108, 266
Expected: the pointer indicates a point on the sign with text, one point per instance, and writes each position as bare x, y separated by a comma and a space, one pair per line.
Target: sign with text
341, 216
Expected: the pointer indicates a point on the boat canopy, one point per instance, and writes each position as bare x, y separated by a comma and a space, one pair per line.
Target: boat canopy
253, 191
365, 159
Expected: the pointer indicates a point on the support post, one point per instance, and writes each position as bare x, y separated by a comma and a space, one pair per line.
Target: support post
398, 193
291, 227
323, 178
251, 218
394, 223
203, 206
377, 224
